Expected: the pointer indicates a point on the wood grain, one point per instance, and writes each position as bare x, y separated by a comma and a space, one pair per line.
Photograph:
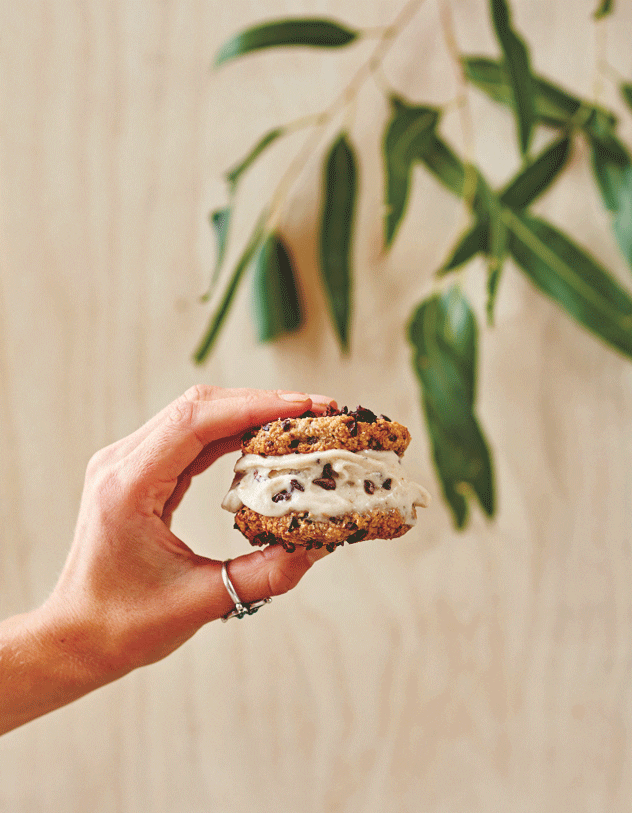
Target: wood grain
483, 671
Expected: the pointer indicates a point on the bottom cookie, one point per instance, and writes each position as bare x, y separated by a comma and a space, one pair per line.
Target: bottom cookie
293, 530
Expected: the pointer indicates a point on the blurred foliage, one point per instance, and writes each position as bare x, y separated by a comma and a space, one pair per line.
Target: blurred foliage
443, 330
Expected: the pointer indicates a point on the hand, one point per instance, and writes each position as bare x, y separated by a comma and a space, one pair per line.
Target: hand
131, 592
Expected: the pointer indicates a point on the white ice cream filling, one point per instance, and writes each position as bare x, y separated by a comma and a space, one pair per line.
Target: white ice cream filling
325, 484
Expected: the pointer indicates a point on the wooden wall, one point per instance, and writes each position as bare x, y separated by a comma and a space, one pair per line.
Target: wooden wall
445, 672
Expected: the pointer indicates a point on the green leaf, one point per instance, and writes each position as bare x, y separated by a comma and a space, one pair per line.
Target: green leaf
519, 193
471, 243
406, 134
221, 310
301, 31
537, 176
614, 180
605, 7
336, 233
220, 221
498, 241
553, 105
626, 92
276, 294
444, 164
443, 334
572, 278
234, 174
518, 67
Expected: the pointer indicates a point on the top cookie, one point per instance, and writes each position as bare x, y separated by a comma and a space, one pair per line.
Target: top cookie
354, 430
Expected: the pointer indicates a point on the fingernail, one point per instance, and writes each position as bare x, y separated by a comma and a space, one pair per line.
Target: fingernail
315, 554
294, 397
323, 399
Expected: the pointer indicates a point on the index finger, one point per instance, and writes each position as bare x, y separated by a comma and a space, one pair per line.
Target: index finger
193, 422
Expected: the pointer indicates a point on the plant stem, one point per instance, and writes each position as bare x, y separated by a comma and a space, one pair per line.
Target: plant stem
345, 97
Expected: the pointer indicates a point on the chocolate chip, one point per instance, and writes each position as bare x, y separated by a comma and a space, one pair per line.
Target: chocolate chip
286, 425
281, 495
358, 536
328, 471
294, 524
369, 487
294, 443
290, 547
352, 426
296, 486
387, 484
311, 440
308, 414
364, 415
265, 538
328, 483
352, 525
385, 418
331, 547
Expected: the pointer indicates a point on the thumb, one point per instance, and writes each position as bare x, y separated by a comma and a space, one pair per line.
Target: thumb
255, 576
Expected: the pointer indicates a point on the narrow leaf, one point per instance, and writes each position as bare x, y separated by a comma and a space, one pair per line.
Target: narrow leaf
537, 176
553, 105
516, 58
626, 92
405, 136
614, 181
605, 7
336, 233
519, 193
572, 278
221, 310
498, 241
277, 300
234, 174
220, 221
471, 243
443, 334
302, 31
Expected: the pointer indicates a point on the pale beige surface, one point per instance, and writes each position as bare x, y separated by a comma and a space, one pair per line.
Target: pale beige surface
487, 671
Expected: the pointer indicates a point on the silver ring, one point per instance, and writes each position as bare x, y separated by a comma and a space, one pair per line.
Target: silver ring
241, 609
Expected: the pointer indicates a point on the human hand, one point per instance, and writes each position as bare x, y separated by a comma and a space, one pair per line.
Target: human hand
131, 592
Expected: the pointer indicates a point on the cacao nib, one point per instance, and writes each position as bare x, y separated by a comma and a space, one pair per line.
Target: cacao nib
352, 426
369, 487
265, 538
281, 495
358, 536
328, 471
328, 483
296, 486
364, 415
387, 484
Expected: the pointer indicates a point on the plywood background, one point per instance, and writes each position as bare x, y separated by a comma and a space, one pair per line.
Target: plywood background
475, 672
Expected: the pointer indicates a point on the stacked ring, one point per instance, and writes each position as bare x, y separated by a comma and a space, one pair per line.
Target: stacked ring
241, 609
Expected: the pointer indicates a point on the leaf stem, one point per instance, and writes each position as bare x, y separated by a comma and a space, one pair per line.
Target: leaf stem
344, 98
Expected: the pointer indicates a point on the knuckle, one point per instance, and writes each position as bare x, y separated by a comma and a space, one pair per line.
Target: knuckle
282, 579
200, 392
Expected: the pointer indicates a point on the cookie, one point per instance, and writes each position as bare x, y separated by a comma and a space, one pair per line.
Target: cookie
324, 480
355, 431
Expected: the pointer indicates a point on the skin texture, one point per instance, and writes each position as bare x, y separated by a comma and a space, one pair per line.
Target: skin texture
131, 592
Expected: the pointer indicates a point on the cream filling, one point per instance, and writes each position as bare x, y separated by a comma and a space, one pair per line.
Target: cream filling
324, 484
